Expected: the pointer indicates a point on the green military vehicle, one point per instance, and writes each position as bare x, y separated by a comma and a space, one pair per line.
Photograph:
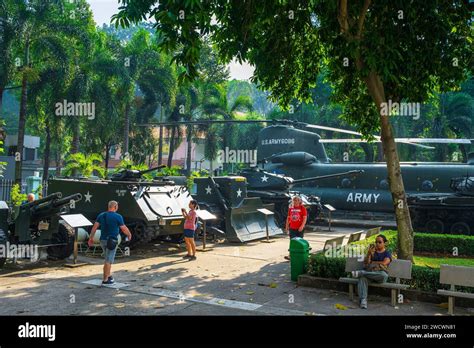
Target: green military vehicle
238, 219
151, 208
38, 223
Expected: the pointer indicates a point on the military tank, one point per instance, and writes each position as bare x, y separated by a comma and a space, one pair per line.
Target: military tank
276, 189
238, 219
150, 208
445, 213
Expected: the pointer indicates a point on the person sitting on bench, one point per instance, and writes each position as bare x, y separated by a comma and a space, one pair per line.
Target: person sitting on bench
376, 263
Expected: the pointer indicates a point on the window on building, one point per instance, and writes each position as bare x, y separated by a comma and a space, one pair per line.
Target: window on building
30, 154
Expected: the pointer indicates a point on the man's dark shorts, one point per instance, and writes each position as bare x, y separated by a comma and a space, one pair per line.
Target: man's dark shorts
296, 233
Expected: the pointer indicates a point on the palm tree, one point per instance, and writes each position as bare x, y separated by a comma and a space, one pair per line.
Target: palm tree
39, 27
8, 27
452, 116
215, 106
157, 82
187, 101
84, 164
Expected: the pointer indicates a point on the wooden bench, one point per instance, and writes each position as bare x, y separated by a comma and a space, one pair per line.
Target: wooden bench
398, 269
456, 275
354, 237
333, 243
372, 231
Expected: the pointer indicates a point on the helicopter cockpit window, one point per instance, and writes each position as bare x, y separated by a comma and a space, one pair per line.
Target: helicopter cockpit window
426, 185
383, 184
346, 182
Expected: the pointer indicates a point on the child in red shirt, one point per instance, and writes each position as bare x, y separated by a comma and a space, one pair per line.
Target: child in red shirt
296, 221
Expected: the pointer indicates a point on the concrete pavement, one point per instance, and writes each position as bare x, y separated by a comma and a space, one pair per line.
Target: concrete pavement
231, 279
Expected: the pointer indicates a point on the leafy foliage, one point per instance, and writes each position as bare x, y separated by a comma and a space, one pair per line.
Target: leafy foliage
84, 164
423, 278
17, 197
429, 242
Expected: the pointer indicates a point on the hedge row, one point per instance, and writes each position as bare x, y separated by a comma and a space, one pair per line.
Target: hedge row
429, 242
423, 278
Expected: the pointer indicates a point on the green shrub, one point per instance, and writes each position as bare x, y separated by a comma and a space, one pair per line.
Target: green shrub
429, 242
391, 235
444, 243
326, 267
423, 278
17, 198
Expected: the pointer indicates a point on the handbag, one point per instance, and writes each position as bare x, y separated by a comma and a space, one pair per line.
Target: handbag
111, 242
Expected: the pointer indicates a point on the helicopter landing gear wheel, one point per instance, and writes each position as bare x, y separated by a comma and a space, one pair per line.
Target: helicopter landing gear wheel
460, 228
434, 226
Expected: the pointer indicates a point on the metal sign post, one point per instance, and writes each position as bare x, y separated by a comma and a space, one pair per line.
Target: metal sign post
267, 213
330, 209
76, 221
204, 215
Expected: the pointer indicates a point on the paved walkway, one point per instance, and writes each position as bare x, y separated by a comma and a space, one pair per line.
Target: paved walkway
251, 279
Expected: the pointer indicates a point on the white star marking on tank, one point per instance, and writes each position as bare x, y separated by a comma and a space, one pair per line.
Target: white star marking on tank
208, 190
264, 178
239, 193
87, 197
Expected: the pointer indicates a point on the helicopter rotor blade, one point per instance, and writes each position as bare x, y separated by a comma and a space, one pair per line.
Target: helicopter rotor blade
377, 137
345, 141
411, 140
202, 122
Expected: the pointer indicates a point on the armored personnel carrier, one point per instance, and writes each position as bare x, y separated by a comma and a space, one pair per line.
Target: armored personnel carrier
445, 213
150, 208
276, 189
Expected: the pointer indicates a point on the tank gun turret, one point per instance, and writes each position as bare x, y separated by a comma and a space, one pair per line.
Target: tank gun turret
133, 174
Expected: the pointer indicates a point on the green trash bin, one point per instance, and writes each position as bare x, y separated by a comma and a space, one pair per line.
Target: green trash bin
299, 254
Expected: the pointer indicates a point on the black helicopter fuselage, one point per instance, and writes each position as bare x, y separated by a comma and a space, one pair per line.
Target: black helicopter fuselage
299, 154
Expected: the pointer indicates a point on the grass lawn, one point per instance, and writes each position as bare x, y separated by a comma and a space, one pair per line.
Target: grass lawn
435, 262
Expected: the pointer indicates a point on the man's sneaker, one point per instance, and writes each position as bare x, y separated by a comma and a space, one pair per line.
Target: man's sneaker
110, 280
187, 256
363, 304
192, 258
355, 274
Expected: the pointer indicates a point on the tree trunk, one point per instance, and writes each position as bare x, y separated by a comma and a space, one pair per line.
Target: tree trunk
58, 162
368, 151
160, 147
464, 155
189, 149
21, 129
379, 152
47, 152
107, 157
172, 141
402, 214
76, 137
160, 141
1, 101
126, 130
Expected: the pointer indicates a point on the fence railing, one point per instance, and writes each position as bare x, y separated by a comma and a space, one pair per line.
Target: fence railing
6, 187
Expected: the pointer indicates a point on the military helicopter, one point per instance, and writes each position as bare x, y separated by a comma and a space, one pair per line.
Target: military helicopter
293, 149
